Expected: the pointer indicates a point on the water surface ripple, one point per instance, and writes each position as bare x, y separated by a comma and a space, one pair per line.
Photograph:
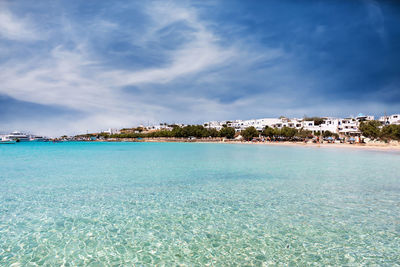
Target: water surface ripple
113, 204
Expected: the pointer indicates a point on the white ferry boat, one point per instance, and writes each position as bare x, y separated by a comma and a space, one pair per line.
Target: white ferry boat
18, 137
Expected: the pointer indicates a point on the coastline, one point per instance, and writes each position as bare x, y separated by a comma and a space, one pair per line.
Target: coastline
387, 147
365, 146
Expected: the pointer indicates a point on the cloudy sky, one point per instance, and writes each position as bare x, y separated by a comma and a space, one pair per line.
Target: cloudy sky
72, 66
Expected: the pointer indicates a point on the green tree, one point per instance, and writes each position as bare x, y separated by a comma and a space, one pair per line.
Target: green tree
304, 133
288, 132
269, 132
213, 132
176, 131
192, 130
327, 134
227, 132
249, 133
391, 132
370, 129
105, 135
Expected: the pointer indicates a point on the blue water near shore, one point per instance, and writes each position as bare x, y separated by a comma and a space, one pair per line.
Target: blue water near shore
143, 204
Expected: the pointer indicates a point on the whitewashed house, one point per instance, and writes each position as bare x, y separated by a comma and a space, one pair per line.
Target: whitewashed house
392, 119
349, 126
260, 124
328, 124
236, 124
285, 122
112, 131
218, 125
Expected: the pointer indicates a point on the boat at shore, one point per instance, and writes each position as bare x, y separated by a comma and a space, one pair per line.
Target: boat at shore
37, 138
17, 136
5, 140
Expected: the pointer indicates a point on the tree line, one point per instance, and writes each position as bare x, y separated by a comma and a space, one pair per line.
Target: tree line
284, 133
370, 129
197, 131
374, 130
200, 131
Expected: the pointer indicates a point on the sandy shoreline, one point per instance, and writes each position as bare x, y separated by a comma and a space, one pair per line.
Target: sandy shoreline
369, 146
326, 145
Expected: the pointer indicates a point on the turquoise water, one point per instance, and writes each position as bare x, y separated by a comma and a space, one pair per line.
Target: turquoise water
191, 204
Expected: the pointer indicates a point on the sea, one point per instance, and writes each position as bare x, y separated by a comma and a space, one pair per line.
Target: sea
196, 204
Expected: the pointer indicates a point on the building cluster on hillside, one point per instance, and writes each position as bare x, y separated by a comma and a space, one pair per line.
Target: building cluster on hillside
342, 126
316, 125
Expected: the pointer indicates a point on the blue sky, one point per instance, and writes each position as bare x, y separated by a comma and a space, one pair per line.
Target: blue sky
72, 66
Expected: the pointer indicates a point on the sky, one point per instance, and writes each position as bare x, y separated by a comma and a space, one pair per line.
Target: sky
68, 67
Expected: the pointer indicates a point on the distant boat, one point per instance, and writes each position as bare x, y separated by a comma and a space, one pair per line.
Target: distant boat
18, 136
5, 140
37, 138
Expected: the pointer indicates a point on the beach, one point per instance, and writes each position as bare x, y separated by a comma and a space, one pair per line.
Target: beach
393, 146
388, 147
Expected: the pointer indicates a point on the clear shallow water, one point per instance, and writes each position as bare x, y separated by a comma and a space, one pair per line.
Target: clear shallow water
195, 204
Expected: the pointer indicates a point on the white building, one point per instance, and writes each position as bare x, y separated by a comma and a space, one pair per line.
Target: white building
285, 122
307, 124
112, 131
218, 125
159, 127
392, 119
259, 124
328, 124
349, 126
238, 125
342, 126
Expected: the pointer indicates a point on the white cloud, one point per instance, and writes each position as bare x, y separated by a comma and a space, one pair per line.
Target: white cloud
198, 54
14, 28
73, 78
